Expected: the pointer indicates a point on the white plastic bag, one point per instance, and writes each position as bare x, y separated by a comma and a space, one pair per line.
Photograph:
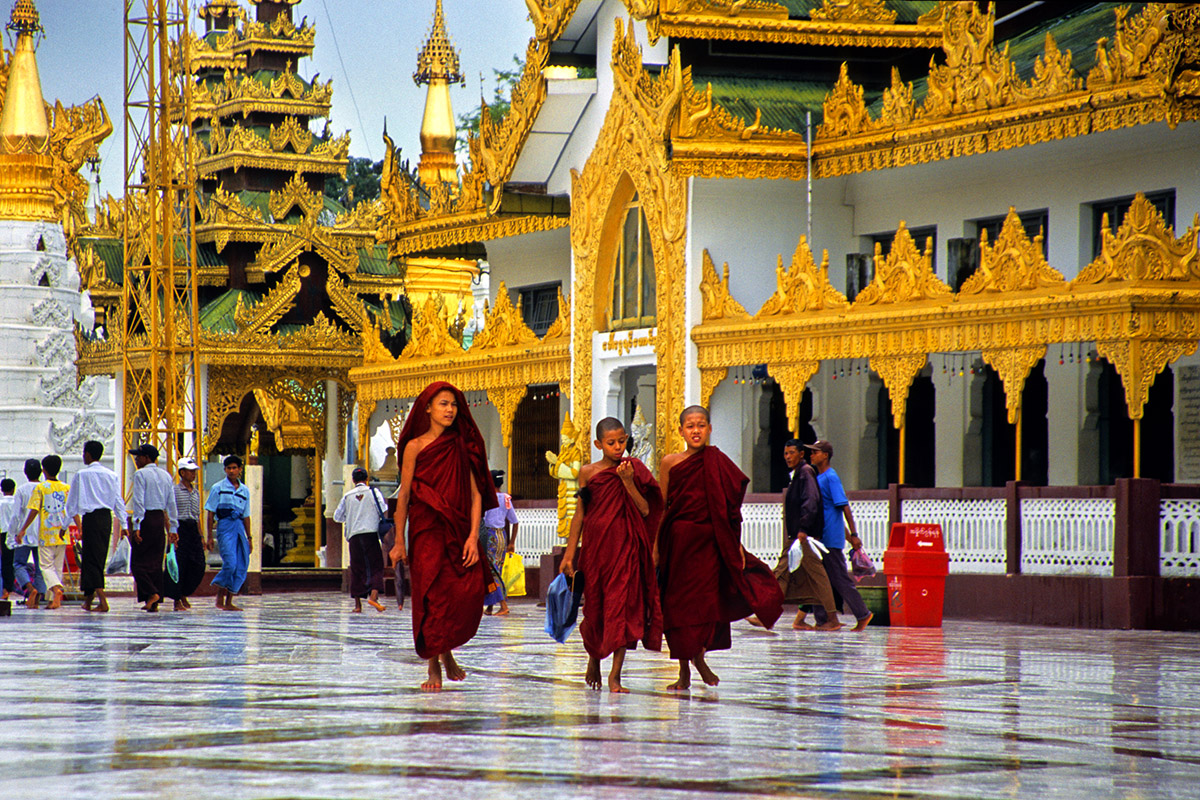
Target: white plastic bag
794, 556
119, 563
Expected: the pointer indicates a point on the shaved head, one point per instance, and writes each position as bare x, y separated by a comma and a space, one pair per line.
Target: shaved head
687, 412
608, 425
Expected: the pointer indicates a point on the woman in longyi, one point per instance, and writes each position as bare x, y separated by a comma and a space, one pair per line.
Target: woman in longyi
445, 487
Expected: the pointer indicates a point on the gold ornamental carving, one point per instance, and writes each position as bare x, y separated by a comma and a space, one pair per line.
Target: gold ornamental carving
898, 373
804, 287
1013, 365
710, 379
792, 378
854, 11
1012, 263
718, 303
503, 325
1143, 249
561, 327
905, 276
506, 399
631, 156
431, 331
1139, 362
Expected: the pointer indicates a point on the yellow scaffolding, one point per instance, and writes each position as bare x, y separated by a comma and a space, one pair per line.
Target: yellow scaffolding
161, 389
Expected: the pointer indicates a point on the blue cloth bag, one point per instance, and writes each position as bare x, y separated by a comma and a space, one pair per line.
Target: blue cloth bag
562, 606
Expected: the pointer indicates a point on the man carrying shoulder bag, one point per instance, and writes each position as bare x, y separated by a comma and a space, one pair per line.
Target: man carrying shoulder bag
360, 513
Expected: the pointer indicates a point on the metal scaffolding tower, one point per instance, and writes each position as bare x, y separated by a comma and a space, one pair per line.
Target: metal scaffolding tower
161, 389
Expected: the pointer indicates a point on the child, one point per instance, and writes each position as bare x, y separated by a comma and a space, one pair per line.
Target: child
28, 578
359, 513
498, 542
48, 503
619, 506
228, 507
706, 577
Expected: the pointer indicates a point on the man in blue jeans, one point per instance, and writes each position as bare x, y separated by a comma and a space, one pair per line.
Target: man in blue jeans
836, 508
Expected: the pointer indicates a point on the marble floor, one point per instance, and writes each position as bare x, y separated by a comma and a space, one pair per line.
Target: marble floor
296, 698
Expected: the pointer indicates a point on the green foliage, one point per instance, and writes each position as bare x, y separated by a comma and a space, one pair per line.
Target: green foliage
506, 79
360, 184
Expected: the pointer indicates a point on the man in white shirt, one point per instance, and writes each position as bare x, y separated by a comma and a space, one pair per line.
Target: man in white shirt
29, 579
153, 514
359, 513
98, 508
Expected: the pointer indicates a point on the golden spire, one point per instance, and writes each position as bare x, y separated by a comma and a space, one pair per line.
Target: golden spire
26, 168
438, 58
438, 67
23, 125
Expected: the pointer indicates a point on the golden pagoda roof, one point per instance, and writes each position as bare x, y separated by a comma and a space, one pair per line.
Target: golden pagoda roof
438, 58
23, 123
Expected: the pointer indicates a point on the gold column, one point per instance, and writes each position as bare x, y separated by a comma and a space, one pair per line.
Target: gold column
900, 467
1017, 447
1137, 447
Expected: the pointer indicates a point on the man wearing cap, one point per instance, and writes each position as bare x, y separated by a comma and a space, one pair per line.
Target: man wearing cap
189, 546
228, 507
837, 517
98, 508
359, 513
154, 513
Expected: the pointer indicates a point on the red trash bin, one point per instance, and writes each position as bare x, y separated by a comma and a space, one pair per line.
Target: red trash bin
916, 565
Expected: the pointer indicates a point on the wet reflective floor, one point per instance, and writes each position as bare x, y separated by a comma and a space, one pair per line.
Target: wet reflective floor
297, 698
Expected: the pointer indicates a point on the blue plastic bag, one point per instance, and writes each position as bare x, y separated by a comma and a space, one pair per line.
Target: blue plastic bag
562, 606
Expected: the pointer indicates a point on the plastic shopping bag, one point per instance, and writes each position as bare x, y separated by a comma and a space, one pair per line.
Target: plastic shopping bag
172, 563
513, 575
119, 563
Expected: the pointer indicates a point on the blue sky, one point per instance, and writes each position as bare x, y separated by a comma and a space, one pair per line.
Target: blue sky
82, 56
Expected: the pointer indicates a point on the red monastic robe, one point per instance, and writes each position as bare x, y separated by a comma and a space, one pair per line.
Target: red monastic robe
704, 587
447, 598
620, 597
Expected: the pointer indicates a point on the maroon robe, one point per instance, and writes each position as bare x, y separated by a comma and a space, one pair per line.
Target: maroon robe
620, 596
704, 587
447, 598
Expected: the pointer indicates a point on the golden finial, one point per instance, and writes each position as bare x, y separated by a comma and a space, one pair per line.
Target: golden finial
438, 58
24, 18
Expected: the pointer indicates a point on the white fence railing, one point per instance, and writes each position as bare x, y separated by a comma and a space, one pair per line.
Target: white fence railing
1068, 536
1179, 538
871, 519
973, 530
537, 532
762, 530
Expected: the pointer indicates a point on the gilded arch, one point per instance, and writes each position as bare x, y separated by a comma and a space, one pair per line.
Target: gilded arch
631, 155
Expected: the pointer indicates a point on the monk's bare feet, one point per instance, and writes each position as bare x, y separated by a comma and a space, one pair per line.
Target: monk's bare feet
705, 671
592, 676
434, 682
58, 598
373, 602
755, 621
830, 624
614, 685
685, 678
864, 622
453, 671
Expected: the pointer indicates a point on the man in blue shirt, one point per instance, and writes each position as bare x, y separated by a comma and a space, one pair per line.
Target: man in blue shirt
836, 508
228, 507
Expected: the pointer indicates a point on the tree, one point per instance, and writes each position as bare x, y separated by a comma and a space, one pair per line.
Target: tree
360, 184
506, 79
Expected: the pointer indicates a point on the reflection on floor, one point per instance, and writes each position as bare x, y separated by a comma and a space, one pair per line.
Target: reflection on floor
297, 698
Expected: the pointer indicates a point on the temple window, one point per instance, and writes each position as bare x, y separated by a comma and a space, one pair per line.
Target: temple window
633, 303
539, 306
1116, 207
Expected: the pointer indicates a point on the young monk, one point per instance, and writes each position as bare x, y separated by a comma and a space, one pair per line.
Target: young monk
706, 577
620, 504
445, 487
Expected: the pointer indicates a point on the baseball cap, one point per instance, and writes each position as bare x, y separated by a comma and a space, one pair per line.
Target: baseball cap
821, 445
147, 450
187, 463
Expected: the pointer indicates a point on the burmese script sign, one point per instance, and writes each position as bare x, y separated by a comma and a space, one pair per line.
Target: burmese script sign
1188, 415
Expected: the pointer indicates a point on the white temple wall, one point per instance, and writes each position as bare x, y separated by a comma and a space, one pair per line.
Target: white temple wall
951, 399
530, 259
1066, 418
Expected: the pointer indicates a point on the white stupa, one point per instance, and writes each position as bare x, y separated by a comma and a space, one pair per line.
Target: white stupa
43, 406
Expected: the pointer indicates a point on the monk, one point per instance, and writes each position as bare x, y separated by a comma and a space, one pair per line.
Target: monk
620, 505
444, 488
706, 578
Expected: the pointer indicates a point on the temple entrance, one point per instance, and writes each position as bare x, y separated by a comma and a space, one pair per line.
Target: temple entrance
920, 443
997, 438
1114, 430
770, 472
536, 427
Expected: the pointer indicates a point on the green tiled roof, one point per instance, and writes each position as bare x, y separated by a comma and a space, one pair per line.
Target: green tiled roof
783, 101
906, 10
374, 261
217, 315
112, 253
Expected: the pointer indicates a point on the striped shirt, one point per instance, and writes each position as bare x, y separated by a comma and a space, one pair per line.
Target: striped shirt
187, 502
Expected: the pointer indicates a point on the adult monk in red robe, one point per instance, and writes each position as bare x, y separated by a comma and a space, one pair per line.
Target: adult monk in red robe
707, 578
620, 504
444, 488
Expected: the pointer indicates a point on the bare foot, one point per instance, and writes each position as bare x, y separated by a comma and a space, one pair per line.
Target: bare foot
87, 601
58, 598
152, 603
375, 604
705, 671
864, 622
755, 621
32, 599
434, 682
592, 676
229, 606
829, 625
186, 605
179, 606
488, 611
102, 607
685, 678
357, 607
503, 611
453, 671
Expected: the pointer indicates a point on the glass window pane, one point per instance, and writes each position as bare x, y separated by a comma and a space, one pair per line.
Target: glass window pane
648, 294
630, 242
